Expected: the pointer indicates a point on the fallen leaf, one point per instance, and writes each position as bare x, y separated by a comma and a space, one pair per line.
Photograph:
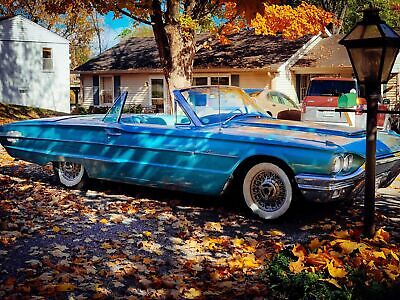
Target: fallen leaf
344, 234
296, 266
56, 229
314, 244
192, 293
381, 235
276, 233
336, 272
299, 251
65, 287
331, 281
213, 226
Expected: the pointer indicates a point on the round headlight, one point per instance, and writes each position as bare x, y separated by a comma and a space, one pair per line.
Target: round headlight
337, 164
347, 162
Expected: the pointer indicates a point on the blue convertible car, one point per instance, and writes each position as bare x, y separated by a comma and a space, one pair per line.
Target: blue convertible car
216, 139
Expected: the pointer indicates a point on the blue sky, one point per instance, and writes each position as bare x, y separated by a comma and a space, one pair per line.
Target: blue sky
116, 24
110, 31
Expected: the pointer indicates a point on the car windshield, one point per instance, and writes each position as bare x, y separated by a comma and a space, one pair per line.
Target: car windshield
219, 104
331, 87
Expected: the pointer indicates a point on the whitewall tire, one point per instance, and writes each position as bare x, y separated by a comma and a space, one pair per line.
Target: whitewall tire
70, 174
267, 190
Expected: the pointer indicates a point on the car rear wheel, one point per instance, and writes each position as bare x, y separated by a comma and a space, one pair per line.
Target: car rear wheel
70, 174
267, 190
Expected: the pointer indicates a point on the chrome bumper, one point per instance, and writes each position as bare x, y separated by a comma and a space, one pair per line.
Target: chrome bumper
319, 188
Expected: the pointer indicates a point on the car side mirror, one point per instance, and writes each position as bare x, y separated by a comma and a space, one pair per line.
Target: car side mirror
386, 101
347, 100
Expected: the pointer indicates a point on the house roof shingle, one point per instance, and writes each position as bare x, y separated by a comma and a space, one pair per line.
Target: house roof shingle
328, 53
246, 50
2, 18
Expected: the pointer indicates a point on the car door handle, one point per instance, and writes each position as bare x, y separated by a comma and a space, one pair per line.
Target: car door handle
113, 132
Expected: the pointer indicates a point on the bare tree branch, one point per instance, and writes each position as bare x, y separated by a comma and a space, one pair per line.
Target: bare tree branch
136, 18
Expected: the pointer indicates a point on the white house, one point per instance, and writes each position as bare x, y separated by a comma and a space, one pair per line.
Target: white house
249, 61
34, 65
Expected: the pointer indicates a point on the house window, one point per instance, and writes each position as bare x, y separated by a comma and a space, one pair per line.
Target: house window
47, 59
106, 90
200, 81
220, 80
235, 80
157, 94
216, 80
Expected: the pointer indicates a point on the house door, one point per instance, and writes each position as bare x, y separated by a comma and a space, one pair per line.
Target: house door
157, 93
106, 90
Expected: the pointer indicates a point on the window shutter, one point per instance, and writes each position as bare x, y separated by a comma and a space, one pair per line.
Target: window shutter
96, 94
117, 85
235, 80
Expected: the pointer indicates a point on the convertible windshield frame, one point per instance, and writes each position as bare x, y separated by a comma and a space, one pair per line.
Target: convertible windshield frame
113, 115
247, 103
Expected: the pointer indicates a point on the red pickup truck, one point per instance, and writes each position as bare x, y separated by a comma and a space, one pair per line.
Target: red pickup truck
322, 99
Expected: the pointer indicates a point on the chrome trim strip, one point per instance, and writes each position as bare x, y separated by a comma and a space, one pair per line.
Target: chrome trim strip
331, 183
304, 178
215, 154
129, 146
104, 145
388, 159
79, 159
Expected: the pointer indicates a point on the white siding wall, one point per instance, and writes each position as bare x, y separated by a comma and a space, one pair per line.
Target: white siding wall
137, 86
285, 82
396, 66
254, 80
22, 80
87, 90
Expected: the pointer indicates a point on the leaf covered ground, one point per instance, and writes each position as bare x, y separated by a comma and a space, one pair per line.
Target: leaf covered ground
116, 240
120, 241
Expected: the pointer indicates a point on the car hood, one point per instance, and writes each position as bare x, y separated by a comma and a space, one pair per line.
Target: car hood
314, 135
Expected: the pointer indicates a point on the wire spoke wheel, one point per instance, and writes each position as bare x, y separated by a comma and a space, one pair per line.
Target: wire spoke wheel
70, 174
267, 190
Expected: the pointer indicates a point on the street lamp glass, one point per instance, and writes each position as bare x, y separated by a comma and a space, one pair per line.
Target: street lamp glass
372, 47
366, 63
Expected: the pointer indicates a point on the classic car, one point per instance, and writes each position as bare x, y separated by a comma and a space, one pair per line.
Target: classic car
322, 99
217, 139
276, 104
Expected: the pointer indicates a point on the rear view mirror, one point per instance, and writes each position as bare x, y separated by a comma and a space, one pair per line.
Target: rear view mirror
347, 100
386, 101
198, 99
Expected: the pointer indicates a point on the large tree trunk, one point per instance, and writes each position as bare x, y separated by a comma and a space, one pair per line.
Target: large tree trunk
176, 49
179, 74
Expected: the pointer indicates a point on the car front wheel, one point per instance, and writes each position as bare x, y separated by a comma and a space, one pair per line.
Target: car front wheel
70, 174
267, 190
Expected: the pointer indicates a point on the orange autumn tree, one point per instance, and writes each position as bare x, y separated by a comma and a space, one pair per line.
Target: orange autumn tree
176, 22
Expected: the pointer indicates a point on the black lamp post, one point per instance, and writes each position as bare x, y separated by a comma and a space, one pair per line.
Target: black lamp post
372, 47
